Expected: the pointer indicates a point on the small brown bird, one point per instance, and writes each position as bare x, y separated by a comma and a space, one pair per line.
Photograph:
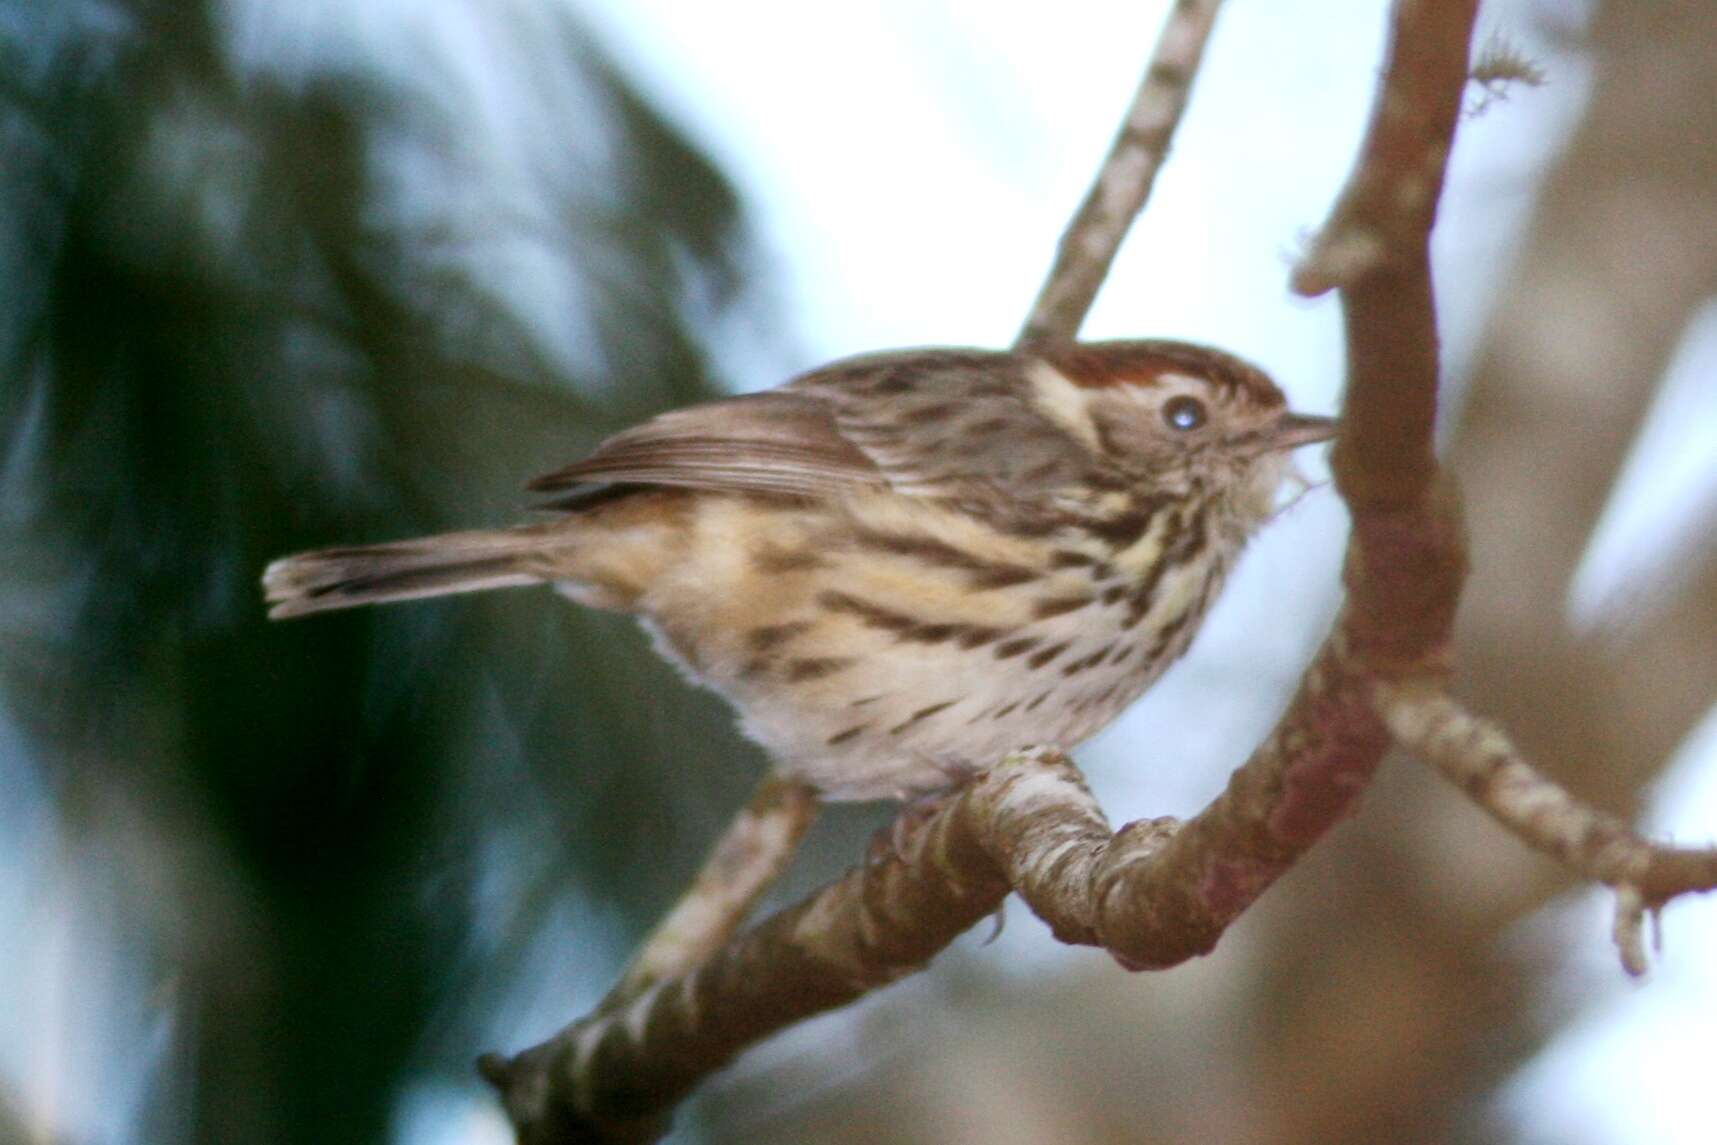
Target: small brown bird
902, 566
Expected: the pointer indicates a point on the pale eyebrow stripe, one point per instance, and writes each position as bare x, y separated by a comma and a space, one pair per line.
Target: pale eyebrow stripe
1058, 398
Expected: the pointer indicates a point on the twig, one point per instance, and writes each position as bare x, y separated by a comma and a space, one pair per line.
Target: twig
1478, 757
750, 855
1124, 181
1500, 66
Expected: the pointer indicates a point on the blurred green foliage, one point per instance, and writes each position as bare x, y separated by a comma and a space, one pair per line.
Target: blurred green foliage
260, 300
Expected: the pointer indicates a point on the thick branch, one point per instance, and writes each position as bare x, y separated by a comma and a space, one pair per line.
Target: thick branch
1376, 249
1027, 824
1124, 181
1406, 562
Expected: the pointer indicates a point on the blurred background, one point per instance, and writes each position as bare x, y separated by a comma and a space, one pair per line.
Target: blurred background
282, 273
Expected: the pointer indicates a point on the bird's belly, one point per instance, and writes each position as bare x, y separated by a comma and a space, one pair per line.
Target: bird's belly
934, 721
881, 651
870, 684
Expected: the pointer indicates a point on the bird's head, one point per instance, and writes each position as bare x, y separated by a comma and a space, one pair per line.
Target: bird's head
1184, 417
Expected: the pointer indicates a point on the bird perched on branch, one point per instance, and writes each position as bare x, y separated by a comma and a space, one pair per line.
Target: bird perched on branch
902, 566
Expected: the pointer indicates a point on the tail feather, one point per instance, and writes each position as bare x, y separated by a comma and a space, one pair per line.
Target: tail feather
327, 579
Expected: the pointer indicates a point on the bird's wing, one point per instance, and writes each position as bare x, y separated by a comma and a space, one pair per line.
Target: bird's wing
775, 442
934, 423
951, 423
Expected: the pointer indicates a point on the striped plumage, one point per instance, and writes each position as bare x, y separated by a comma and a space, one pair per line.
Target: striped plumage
901, 566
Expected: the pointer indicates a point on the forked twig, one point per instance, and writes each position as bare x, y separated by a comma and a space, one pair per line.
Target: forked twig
1480, 759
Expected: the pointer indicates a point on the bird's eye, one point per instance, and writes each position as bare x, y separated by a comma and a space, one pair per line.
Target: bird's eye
1184, 413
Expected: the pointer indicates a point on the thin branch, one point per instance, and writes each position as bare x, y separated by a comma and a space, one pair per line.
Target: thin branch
750, 855
1478, 757
1124, 181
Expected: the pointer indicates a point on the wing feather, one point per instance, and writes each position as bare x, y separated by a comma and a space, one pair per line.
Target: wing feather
774, 442
931, 423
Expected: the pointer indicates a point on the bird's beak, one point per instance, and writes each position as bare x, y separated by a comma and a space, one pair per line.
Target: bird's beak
1293, 430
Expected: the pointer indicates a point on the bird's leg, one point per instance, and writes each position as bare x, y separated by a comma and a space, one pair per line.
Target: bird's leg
750, 855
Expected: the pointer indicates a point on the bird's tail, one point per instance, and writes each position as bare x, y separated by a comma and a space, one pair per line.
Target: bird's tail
403, 570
